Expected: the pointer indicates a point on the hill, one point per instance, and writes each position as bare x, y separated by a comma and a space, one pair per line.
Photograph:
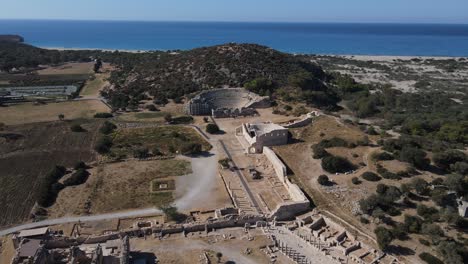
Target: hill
11, 38
160, 75
163, 75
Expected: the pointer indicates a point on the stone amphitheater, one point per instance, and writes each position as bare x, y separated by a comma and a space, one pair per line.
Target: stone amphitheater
226, 102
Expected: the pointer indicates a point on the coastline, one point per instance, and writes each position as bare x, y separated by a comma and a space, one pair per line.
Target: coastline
106, 50
347, 56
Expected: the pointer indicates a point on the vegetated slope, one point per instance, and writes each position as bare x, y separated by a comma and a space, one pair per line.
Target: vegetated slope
28, 153
171, 75
11, 38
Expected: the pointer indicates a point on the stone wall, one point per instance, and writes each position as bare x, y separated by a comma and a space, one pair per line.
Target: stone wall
299, 203
302, 122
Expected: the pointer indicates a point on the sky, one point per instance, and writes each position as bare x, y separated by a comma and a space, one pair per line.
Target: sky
399, 11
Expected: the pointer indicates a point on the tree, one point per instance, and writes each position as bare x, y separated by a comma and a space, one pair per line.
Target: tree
323, 180
447, 158
384, 237
420, 185
412, 224
370, 176
61, 117
336, 164
414, 156
219, 255
97, 65
173, 214
457, 183
77, 178
460, 168
212, 128
433, 231
449, 251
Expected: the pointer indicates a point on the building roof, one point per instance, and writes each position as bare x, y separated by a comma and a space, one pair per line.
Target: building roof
29, 248
264, 128
34, 232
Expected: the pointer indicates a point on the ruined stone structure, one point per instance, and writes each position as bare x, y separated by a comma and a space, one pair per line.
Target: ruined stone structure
226, 102
462, 207
49, 249
299, 202
304, 121
261, 135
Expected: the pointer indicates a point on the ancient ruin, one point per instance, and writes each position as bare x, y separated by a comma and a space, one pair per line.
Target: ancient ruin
259, 135
226, 102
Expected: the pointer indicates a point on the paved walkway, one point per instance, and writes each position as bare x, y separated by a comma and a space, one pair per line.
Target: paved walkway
242, 179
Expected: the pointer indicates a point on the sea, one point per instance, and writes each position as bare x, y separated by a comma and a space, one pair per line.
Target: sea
311, 38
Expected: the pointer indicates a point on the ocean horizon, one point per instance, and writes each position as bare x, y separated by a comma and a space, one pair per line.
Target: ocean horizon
389, 39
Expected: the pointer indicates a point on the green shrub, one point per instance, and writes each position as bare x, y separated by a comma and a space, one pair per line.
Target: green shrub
364, 220
319, 152
447, 158
212, 128
384, 237
412, 224
323, 179
152, 108
355, 180
141, 153
370, 176
414, 156
77, 128
77, 178
430, 259
107, 128
382, 156
49, 187
103, 115
424, 242
337, 164
103, 145
80, 165
191, 148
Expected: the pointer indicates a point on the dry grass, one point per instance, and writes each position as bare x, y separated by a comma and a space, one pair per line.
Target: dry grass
119, 186
69, 68
30, 113
153, 117
7, 249
92, 87
25, 161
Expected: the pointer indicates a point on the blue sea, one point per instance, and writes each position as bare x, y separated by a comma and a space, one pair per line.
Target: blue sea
313, 38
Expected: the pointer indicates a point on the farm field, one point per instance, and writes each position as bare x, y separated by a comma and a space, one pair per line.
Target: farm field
69, 68
154, 117
167, 139
120, 186
27, 159
94, 85
31, 113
